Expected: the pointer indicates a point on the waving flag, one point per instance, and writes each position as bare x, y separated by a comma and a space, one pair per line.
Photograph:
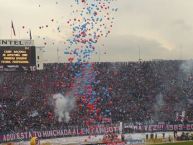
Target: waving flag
30, 36
12, 26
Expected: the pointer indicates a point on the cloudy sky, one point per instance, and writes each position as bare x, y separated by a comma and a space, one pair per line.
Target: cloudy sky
161, 29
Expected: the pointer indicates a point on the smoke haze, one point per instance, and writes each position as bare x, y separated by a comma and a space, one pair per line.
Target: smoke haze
63, 105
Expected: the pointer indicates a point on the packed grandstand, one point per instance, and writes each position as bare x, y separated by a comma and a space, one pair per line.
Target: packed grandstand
134, 90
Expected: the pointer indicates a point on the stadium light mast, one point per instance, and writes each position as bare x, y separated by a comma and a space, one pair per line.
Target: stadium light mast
99, 54
181, 54
139, 53
58, 54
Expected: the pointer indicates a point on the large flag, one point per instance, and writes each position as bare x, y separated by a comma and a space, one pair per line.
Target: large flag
12, 26
30, 36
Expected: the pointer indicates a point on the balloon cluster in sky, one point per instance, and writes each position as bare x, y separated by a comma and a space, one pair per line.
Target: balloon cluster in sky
92, 20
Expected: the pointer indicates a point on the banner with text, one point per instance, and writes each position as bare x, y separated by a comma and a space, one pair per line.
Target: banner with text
20, 136
157, 128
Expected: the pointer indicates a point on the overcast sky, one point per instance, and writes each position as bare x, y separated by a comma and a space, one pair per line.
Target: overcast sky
162, 29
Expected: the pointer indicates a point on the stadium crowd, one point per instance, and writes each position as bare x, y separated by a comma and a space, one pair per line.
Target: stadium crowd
140, 92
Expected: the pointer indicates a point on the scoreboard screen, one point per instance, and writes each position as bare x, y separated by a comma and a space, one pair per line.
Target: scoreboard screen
17, 57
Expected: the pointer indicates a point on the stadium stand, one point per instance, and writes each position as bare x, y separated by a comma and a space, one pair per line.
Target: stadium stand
140, 92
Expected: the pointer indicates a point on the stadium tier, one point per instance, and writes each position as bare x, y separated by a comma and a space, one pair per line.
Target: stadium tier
133, 92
